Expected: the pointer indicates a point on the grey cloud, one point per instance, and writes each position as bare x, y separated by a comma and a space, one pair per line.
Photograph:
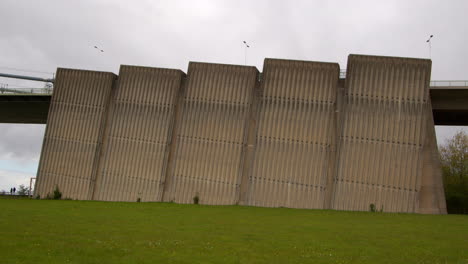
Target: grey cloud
21, 142
55, 33
446, 132
10, 179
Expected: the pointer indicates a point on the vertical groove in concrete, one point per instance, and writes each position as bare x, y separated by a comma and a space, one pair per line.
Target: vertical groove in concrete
384, 129
73, 132
294, 134
335, 154
175, 126
103, 132
135, 150
210, 138
249, 144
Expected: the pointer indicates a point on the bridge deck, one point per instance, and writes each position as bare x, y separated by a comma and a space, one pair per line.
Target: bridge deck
24, 109
449, 106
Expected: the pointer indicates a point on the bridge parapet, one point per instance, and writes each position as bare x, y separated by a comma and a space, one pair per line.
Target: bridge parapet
450, 84
25, 91
434, 85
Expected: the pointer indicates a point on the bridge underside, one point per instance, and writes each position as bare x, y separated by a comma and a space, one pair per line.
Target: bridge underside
449, 107
24, 109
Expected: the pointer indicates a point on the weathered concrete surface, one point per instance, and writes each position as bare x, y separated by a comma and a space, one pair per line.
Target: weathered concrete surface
133, 160
431, 194
383, 135
211, 131
73, 135
296, 137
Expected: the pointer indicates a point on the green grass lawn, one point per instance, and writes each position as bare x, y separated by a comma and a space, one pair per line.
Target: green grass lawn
42, 231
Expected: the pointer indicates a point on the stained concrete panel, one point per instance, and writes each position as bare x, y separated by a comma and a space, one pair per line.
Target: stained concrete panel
295, 134
136, 143
383, 132
211, 133
74, 132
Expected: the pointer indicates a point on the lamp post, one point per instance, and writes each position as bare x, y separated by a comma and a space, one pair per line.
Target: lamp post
430, 48
99, 49
245, 52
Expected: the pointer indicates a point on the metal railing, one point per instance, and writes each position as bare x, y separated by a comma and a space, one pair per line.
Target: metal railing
435, 83
460, 83
49, 91
25, 91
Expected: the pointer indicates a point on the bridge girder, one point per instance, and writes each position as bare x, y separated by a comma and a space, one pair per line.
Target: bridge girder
449, 107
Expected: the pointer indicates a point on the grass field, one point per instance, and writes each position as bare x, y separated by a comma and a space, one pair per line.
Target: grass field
43, 231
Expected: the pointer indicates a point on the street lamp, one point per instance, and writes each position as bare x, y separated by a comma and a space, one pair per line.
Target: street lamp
245, 52
429, 41
99, 49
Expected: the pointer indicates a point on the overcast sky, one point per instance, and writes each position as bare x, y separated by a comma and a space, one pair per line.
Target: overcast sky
40, 36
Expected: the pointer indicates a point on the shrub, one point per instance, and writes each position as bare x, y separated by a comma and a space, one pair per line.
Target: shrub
372, 208
196, 199
57, 194
138, 200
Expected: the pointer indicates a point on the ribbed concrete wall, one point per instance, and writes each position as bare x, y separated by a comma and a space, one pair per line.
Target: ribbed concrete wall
136, 143
295, 134
74, 132
383, 132
211, 133
431, 194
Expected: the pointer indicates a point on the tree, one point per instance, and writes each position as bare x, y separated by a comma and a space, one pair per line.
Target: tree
454, 158
22, 190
